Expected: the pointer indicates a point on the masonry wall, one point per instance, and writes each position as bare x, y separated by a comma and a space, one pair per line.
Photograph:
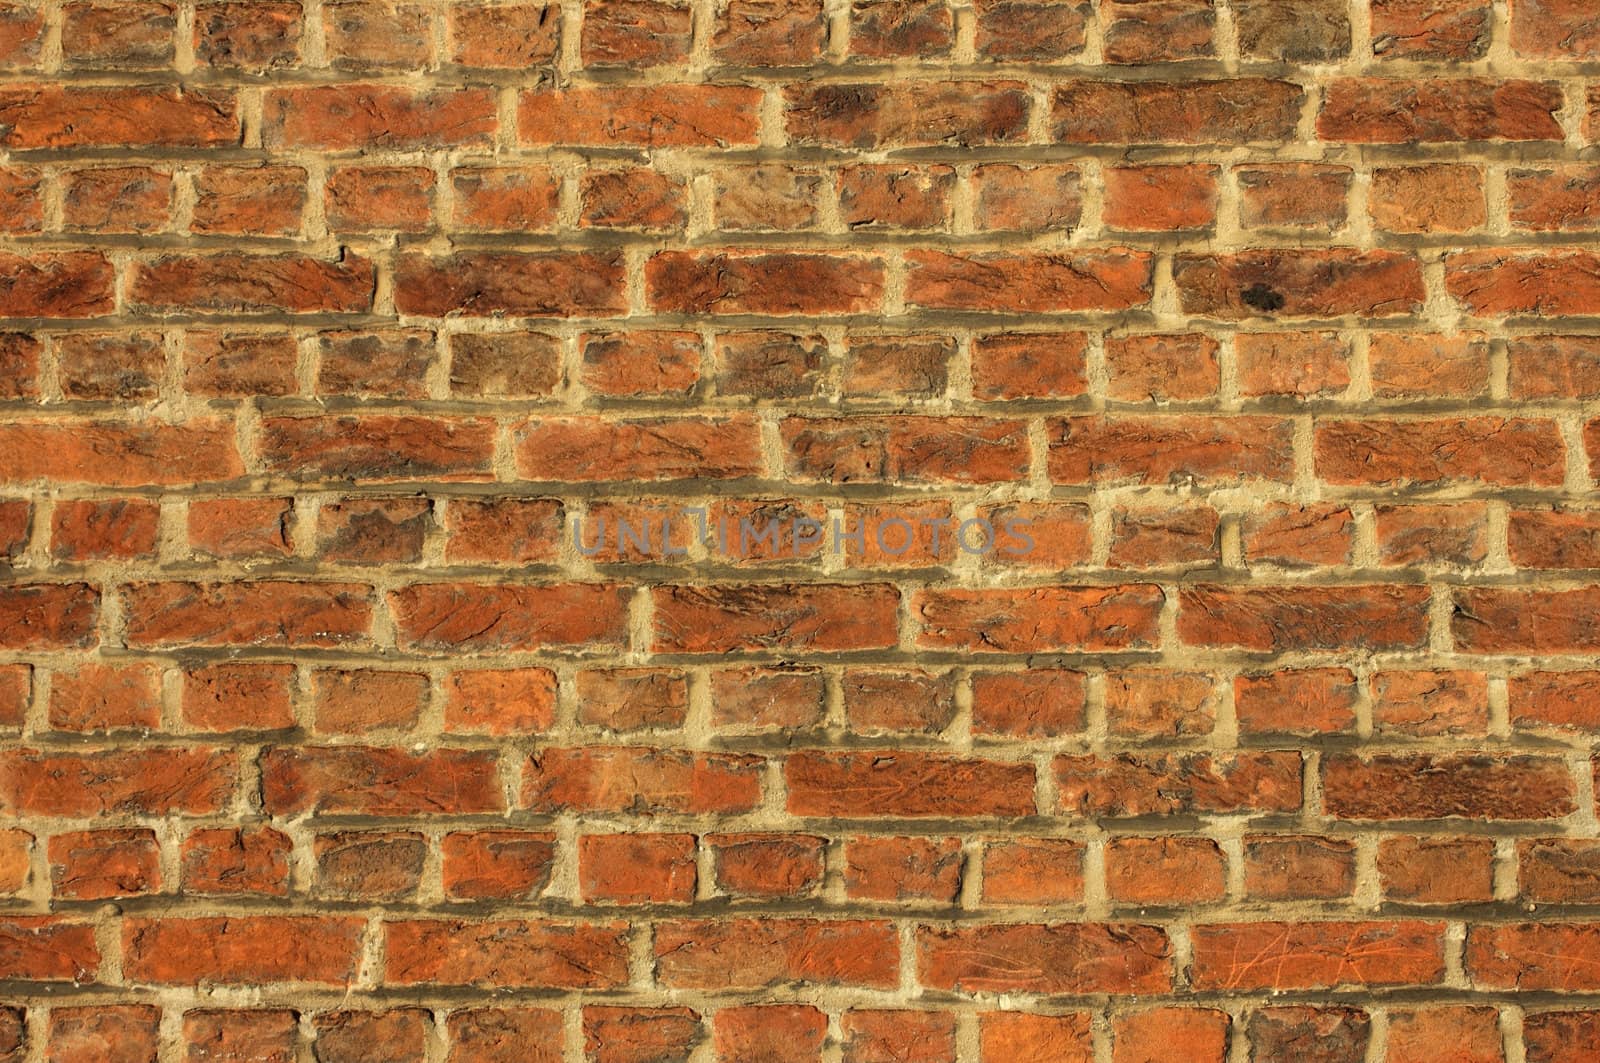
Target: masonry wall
1270, 325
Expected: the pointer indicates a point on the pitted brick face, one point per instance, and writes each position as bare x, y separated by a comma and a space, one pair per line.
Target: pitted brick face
799, 531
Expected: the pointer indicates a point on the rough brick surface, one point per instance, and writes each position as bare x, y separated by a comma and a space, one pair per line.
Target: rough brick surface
832, 531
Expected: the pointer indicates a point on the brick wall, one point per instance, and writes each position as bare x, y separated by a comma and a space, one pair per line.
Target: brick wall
1254, 339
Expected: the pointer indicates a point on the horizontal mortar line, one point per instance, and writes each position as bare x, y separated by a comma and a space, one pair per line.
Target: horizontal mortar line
666, 157
1040, 321
855, 68
1059, 243
1304, 910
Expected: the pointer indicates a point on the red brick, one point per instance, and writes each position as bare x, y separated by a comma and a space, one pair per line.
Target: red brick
1163, 31
1556, 1036
1301, 701
1310, 32
1532, 956
345, 118
906, 113
373, 531
456, 617
632, 199
621, 778
639, 1035
1430, 703
1029, 365
639, 364
254, 284
117, 529
106, 697
1162, 368
1153, 538
71, 284
654, 116
767, 865
238, 364
1294, 535
1299, 868
1426, 199
637, 868
1305, 1033
112, 1032
1299, 283
635, 33
759, 282
903, 869
1107, 449
320, 950
751, 698
1494, 620
1009, 1035
1293, 195
754, 953
1548, 367
499, 701
372, 781
154, 782
80, 116
237, 528
1455, 534
777, 1033
1328, 618
1497, 283
369, 865
1316, 955
213, 1035
1155, 703
1301, 365
486, 283
521, 954
1165, 871
1554, 700
1431, 29
498, 864
122, 199
1013, 621
1436, 870
95, 865
1138, 784
1196, 1034
1558, 871
880, 701
1033, 871
906, 784
1442, 110
1036, 703
1029, 283
1553, 29
1241, 111
505, 1035
1387, 786
44, 948
896, 197
504, 36
723, 619
898, 1036
221, 861
259, 613
1026, 198
257, 35
1055, 958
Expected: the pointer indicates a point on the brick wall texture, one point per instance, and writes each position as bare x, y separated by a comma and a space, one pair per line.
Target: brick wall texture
771, 531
